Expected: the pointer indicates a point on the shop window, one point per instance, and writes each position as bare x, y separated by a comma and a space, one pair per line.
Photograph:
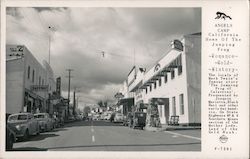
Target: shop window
166, 78
174, 105
172, 74
33, 75
181, 101
28, 72
159, 82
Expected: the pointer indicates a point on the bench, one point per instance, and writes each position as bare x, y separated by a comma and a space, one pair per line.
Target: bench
174, 120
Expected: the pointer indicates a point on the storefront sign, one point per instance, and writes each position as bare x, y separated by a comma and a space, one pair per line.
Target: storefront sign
39, 88
58, 85
177, 44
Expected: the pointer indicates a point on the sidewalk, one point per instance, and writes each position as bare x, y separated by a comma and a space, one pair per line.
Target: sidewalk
171, 128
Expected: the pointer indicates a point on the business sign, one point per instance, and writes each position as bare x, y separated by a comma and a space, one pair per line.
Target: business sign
39, 88
157, 67
177, 44
58, 85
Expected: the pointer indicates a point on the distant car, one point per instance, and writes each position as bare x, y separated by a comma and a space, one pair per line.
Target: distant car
118, 118
45, 122
127, 119
107, 117
10, 137
138, 120
72, 118
24, 125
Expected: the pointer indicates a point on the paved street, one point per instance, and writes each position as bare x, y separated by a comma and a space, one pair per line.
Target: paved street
106, 136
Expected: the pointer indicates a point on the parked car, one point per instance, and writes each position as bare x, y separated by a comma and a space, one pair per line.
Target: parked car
10, 137
24, 125
107, 117
46, 123
126, 119
72, 118
138, 120
118, 118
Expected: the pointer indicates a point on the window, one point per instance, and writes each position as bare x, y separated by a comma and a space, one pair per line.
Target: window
172, 74
155, 85
173, 106
33, 75
181, 101
42, 81
28, 72
166, 78
150, 88
146, 90
159, 82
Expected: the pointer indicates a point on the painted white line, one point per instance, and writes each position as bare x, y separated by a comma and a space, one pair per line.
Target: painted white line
93, 138
187, 136
92, 130
174, 136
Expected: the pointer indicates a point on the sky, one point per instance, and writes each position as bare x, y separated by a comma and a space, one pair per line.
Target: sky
127, 36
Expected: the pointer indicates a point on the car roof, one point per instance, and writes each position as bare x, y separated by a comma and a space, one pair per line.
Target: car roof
20, 114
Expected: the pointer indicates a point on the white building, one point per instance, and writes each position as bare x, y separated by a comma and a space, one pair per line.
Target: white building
174, 81
28, 83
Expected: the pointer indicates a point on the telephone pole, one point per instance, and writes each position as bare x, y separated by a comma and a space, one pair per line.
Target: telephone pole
69, 70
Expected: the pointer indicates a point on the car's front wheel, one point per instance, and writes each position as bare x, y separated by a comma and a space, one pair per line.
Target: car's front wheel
10, 143
26, 135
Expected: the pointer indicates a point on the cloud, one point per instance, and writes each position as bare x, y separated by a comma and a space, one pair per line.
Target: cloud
126, 35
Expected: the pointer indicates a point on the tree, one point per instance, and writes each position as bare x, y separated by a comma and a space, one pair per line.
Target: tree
86, 110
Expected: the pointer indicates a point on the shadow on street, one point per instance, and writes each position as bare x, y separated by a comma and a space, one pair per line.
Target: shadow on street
29, 149
133, 145
39, 137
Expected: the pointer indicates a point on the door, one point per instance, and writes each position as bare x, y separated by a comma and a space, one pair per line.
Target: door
167, 109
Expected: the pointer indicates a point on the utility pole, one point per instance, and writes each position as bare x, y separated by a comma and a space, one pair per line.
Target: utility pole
74, 102
69, 70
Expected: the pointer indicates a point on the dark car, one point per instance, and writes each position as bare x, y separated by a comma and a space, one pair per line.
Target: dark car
10, 137
138, 120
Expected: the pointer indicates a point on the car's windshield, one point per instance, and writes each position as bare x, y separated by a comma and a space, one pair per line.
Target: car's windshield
39, 116
17, 117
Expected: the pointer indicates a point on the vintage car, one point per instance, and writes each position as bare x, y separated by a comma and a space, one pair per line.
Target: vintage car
118, 118
24, 125
138, 120
10, 137
45, 122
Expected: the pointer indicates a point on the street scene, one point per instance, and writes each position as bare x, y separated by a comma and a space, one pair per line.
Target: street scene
103, 79
107, 136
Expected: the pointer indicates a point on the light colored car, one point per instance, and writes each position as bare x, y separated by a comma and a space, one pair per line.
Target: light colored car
24, 125
45, 122
118, 118
107, 117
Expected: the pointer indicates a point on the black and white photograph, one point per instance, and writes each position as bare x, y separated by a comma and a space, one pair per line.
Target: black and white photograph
103, 79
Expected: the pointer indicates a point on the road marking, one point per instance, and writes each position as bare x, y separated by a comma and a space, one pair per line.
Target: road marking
93, 138
174, 136
92, 130
187, 136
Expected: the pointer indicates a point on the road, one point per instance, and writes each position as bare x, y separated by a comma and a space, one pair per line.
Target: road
106, 136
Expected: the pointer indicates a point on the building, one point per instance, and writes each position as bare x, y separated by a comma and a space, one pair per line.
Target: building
29, 84
173, 84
